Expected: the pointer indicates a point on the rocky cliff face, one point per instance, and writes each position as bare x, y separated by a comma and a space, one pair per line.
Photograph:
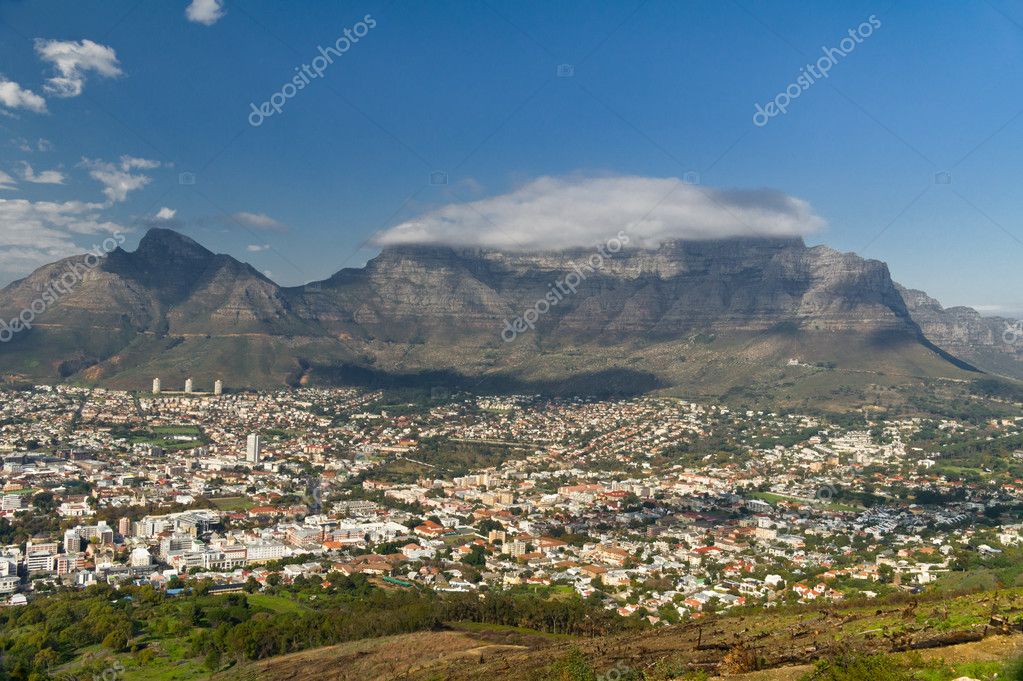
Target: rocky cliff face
987, 342
678, 288
684, 310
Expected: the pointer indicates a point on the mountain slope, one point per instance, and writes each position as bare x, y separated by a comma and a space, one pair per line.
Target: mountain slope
714, 317
963, 332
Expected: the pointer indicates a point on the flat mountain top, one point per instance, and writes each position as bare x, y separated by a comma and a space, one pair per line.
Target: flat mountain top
712, 317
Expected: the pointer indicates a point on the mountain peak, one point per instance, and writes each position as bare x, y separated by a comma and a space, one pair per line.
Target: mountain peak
167, 243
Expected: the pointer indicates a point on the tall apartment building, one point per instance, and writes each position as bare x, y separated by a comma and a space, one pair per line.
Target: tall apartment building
252, 448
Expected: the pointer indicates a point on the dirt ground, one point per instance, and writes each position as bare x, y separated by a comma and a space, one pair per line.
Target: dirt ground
784, 643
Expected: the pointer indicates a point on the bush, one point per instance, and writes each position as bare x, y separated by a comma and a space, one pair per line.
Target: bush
853, 666
572, 667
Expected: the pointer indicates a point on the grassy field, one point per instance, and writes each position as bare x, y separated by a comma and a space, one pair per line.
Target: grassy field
233, 503
178, 430
275, 603
772, 498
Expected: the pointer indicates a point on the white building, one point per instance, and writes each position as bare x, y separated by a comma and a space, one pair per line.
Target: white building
258, 553
40, 557
140, 557
13, 502
252, 448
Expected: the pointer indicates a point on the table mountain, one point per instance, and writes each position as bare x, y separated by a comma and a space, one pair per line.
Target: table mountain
709, 317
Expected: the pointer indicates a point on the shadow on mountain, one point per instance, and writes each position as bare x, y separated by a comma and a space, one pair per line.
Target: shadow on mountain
889, 339
606, 383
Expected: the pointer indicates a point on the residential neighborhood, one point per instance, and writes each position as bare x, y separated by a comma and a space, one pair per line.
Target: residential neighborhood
656, 508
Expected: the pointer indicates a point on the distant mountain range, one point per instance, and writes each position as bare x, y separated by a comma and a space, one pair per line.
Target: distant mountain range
700, 317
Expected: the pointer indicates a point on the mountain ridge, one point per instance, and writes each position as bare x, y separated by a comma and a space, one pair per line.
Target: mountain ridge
713, 315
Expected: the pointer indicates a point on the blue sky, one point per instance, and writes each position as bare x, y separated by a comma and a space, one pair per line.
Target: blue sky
472, 89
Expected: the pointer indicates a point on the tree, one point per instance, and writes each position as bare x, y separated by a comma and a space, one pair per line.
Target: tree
117, 639
476, 556
212, 660
44, 502
488, 525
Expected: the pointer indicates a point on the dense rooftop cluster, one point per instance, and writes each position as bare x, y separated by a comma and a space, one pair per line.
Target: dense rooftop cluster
652, 507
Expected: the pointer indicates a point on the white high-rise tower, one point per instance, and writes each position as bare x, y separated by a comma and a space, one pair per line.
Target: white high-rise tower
252, 448
218, 387
188, 385
156, 386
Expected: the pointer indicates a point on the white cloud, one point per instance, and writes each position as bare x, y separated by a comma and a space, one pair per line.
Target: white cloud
44, 177
13, 96
36, 233
28, 147
117, 180
6, 181
206, 12
72, 61
258, 221
558, 213
166, 213
130, 162
257, 248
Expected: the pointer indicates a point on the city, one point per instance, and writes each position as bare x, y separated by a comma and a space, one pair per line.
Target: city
628, 340
658, 508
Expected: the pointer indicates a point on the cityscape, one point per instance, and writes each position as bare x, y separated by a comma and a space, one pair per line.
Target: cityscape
618, 340
657, 508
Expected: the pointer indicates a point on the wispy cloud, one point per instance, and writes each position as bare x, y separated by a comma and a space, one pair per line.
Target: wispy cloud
28, 147
206, 12
257, 248
13, 96
118, 180
166, 213
558, 213
258, 221
6, 181
44, 177
34, 233
72, 61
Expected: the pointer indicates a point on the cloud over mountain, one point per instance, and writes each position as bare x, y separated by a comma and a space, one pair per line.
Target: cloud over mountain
39, 232
558, 213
